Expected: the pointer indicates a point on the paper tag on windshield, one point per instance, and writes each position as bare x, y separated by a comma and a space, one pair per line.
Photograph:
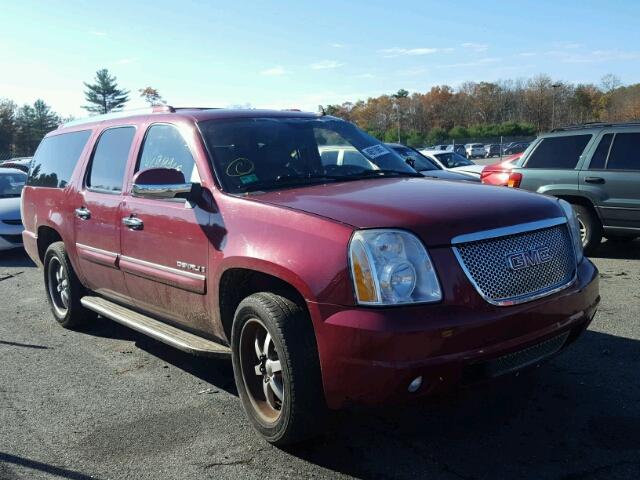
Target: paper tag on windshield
374, 151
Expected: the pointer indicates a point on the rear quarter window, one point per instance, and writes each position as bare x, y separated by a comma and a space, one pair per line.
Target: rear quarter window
558, 152
56, 158
625, 152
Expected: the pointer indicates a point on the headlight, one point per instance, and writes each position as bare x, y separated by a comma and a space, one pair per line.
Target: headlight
574, 229
391, 267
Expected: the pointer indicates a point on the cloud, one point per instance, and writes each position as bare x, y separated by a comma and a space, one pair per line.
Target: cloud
98, 34
326, 65
527, 54
594, 56
476, 63
409, 52
337, 45
277, 71
476, 47
125, 61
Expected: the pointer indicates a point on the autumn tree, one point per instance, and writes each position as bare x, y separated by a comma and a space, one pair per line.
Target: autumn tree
151, 96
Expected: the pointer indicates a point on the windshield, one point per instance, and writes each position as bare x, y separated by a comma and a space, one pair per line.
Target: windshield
452, 160
11, 184
258, 154
421, 162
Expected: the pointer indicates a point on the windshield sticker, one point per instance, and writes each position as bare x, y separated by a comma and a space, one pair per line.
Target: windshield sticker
239, 167
246, 179
374, 151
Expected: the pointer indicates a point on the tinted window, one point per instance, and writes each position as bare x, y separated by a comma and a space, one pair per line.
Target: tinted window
625, 152
165, 147
110, 159
599, 158
353, 157
558, 152
56, 158
452, 160
422, 163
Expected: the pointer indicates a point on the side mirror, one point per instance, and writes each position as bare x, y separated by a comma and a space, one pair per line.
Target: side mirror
161, 183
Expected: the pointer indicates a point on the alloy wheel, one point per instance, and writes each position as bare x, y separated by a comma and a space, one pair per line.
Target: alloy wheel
261, 370
59, 291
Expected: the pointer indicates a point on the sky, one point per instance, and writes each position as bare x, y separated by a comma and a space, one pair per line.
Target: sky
299, 54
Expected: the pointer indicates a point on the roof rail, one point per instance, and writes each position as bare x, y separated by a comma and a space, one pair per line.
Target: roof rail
583, 126
129, 113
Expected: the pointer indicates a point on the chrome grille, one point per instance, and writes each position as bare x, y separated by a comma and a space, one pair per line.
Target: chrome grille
486, 263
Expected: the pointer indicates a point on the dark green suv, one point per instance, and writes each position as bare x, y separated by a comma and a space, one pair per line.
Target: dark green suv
595, 167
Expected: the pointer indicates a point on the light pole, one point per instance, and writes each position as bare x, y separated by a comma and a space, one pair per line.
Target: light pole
555, 86
396, 107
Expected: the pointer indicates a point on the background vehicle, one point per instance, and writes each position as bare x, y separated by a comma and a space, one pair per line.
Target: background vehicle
596, 167
427, 166
453, 161
498, 173
344, 155
458, 148
11, 183
226, 233
492, 150
516, 148
22, 163
475, 150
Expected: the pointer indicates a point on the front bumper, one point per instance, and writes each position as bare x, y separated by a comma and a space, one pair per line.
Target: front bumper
369, 356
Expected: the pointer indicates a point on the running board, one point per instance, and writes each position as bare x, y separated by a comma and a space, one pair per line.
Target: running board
185, 341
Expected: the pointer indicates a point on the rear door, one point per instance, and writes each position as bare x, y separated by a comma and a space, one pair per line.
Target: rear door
612, 179
164, 258
97, 213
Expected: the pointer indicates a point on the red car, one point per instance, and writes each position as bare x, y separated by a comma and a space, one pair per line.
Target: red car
328, 282
500, 173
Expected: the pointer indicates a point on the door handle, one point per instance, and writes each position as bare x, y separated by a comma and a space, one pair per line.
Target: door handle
83, 213
133, 223
594, 179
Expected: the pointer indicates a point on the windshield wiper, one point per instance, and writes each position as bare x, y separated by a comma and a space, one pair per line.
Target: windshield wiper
385, 173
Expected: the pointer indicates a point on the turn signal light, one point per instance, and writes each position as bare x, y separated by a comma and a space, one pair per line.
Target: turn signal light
514, 180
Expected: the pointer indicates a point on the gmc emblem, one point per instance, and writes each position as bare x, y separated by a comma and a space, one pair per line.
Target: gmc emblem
530, 258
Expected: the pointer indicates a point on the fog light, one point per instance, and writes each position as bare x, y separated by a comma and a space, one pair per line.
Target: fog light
415, 384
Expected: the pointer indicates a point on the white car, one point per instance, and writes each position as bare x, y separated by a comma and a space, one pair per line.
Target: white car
344, 155
454, 162
11, 182
475, 150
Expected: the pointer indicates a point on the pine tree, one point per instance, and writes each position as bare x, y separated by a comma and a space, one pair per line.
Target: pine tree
152, 96
104, 96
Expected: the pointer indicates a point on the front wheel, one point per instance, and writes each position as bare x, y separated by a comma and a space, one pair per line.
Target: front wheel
276, 368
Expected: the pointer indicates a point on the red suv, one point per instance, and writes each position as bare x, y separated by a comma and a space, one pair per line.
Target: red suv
230, 233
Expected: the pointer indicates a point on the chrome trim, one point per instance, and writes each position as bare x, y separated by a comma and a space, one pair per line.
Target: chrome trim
163, 268
510, 230
97, 250
514, 300
160, 191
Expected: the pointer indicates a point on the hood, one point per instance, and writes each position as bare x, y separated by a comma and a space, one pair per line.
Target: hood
435, 210
474, 170
449, 175
10, 208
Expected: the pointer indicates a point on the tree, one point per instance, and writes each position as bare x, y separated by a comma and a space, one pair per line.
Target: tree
402, 93
104, 96
44, 120
151, 96
7, 127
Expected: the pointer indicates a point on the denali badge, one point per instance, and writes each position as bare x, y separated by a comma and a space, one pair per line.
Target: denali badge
530, 258
190, 266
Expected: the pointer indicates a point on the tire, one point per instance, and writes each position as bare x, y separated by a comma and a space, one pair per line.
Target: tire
63, 288
590, 228
298, 412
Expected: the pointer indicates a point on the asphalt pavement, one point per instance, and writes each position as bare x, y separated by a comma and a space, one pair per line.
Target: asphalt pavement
109, 403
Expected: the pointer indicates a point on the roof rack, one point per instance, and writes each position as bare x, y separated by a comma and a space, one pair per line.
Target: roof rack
129, 113
583, 126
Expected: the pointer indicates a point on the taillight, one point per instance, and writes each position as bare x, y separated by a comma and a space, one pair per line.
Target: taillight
514, 180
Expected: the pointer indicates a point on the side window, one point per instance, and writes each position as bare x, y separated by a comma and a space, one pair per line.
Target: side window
165, 147
599, 159
625, 152
106, 171
558, 152
56, 158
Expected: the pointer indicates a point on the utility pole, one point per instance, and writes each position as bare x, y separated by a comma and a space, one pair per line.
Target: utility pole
553, 104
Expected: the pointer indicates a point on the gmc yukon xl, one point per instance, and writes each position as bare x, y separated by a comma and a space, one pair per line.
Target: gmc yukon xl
228, 234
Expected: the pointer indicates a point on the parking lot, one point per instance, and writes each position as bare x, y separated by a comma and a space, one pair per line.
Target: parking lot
110, 403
